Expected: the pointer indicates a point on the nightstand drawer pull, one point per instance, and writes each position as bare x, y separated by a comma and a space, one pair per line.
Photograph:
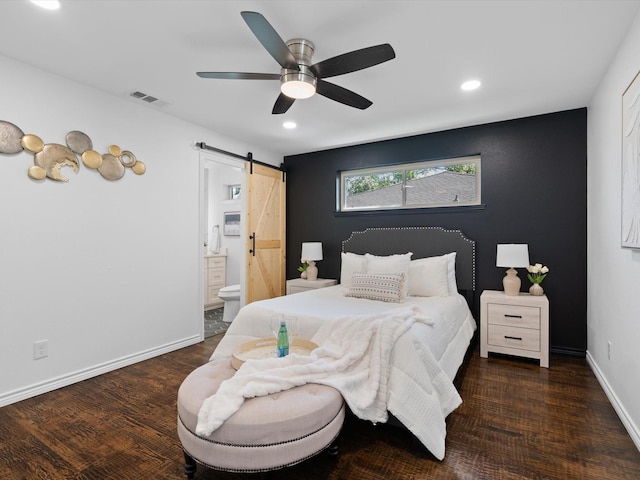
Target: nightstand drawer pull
508, 337
513, 316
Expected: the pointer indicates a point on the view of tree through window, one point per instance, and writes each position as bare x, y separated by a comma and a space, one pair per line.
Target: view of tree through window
451, 182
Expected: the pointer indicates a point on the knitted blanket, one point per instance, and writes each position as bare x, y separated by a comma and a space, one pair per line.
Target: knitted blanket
354, 356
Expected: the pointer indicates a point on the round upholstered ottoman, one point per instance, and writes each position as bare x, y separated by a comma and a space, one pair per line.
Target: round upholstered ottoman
266, 433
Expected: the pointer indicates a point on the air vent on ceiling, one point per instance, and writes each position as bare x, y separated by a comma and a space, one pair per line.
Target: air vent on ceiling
144, 97
138, 96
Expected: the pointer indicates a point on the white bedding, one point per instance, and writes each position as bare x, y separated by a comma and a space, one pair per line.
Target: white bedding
424, 360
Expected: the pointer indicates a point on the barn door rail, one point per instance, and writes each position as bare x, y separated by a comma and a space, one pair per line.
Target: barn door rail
248, 157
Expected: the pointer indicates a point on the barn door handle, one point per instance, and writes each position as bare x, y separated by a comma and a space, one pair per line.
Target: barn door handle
253, 244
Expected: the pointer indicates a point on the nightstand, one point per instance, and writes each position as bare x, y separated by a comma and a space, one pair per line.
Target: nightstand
514, 325
298, 285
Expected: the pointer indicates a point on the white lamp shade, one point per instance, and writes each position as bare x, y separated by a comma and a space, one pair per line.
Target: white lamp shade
311, 251
512, 255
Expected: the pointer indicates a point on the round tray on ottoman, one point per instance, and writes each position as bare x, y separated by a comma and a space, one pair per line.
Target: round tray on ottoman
266, 433
266, 348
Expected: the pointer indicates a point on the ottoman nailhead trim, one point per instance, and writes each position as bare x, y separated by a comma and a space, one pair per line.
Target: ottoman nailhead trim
258, 470
263, 444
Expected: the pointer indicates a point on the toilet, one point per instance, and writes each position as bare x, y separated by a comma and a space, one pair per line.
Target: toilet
231, 297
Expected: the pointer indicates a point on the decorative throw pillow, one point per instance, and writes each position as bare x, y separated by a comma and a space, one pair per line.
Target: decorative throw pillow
398, 263
428, 277
385, 287
351, 263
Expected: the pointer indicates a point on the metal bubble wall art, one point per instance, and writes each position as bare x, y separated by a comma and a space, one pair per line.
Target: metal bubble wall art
50, 158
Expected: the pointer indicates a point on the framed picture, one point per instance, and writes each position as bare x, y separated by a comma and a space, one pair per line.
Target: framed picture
631, 165
232, 224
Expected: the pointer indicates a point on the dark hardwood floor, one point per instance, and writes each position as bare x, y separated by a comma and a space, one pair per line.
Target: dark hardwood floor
518, 421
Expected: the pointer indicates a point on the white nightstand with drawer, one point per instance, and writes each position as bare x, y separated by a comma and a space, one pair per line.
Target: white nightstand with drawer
514, 325
298, 285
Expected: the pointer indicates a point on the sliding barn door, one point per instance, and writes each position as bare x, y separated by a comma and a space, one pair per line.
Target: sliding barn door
266, 222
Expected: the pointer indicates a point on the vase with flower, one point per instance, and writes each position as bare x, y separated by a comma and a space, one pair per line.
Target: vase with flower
537, 273
303, 268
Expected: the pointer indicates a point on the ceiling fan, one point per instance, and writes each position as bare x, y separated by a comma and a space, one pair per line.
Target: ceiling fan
299, 78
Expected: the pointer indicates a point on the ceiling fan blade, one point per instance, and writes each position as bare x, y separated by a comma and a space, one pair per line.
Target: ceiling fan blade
282, 104
239, 75
270, 39
354, 61
342, 95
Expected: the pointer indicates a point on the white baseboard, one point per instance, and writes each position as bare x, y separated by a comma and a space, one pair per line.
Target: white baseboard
74, 377
631, 427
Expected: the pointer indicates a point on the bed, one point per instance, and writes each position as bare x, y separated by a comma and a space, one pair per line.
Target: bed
425, 357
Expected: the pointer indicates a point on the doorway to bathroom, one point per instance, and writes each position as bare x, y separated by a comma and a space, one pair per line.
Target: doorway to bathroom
223, 234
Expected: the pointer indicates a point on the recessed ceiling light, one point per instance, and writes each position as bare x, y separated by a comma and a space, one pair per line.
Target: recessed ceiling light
289, 125
47, 4
470, 85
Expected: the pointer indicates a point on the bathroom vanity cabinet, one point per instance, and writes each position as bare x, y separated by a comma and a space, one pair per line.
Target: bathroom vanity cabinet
214, 279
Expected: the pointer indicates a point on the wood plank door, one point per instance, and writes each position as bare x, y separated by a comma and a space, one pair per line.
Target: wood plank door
266, 275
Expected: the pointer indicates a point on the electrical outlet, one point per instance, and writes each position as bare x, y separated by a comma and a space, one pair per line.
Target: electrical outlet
609, 350
40, 349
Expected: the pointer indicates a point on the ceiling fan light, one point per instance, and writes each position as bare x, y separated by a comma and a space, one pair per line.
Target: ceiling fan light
297, 89
298, 83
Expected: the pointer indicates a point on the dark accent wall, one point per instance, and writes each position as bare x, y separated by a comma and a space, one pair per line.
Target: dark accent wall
534, 190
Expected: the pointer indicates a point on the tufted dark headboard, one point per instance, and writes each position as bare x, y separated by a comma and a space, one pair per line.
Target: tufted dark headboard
423, 242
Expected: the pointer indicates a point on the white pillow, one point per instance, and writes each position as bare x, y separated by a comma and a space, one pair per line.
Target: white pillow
390, 264
351, 263
451, 273
385, 287
428, 277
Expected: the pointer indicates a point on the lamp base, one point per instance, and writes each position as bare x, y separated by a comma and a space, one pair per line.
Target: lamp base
511, 283
312, 271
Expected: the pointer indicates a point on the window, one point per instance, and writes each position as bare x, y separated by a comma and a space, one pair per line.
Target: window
234, 192
436, 183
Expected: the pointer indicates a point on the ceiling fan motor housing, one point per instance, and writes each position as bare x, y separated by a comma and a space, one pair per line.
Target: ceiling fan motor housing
299, 83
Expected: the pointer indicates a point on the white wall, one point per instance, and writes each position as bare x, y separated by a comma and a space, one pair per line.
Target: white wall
613, 307
108, 272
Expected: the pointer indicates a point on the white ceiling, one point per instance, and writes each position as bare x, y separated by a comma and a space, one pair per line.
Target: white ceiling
532, 57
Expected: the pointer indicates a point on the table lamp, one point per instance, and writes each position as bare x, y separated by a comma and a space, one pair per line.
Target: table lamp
311, 253
512, 256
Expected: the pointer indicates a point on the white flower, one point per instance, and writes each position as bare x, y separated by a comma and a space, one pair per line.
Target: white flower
537, 272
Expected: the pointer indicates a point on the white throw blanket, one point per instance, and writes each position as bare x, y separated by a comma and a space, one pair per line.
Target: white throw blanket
353, 356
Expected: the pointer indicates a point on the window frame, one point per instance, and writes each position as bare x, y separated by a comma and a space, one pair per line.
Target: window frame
404, 167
